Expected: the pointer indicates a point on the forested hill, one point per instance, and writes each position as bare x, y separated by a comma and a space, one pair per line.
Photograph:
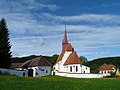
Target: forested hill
94, 64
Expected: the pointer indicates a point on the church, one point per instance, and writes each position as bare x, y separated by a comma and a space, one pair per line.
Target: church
68, 62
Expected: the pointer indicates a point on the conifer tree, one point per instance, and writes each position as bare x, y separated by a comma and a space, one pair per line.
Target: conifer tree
5, 53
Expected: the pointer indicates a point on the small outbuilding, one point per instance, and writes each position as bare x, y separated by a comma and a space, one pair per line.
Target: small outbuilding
107, 69
37, 67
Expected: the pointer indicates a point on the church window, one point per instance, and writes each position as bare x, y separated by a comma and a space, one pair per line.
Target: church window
70, 68
76, 68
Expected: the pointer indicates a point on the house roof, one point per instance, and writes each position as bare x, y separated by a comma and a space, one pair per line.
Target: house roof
25, 64
39, 61
72, 59
15, 65
107, 67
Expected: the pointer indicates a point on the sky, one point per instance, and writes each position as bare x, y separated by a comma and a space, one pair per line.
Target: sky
37, 27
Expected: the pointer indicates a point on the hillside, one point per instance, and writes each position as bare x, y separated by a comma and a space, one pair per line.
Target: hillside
94, 64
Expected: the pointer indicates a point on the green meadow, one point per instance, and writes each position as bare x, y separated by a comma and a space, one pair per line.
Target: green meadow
57, 83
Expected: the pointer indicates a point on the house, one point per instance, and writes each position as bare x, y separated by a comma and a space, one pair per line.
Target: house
37, 67
107, 69
68, 61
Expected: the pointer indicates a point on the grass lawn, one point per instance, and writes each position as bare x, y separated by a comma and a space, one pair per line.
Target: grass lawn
57, 83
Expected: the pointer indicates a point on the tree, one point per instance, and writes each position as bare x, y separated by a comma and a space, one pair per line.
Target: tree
83, 59
53, 59
5, 53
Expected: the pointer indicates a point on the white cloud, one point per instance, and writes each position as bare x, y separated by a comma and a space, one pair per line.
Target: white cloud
93, 18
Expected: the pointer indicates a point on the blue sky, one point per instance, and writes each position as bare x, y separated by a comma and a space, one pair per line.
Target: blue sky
37, 26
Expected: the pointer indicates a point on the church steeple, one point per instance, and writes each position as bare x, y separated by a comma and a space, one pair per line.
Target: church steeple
65, 41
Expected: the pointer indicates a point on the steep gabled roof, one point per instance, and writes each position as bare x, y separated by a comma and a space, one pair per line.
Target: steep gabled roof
72, 59
61, 56
68, 47
39, 61
107, 67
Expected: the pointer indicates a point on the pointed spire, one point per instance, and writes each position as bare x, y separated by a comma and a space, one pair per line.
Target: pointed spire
65, 41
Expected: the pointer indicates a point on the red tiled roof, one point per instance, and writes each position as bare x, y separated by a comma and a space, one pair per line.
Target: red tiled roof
72, 59
107, 67
61, 56
68, 47
39, 61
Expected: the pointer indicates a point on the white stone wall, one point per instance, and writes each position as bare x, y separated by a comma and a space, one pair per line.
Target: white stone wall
80, 68
41, 70
79, 75
14, 72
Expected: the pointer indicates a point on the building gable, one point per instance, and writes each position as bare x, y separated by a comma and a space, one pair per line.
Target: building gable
72, 59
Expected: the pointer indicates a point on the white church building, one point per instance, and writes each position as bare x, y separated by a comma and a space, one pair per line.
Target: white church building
68, 63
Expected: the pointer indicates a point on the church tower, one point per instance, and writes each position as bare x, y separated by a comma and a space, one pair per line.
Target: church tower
65, 41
